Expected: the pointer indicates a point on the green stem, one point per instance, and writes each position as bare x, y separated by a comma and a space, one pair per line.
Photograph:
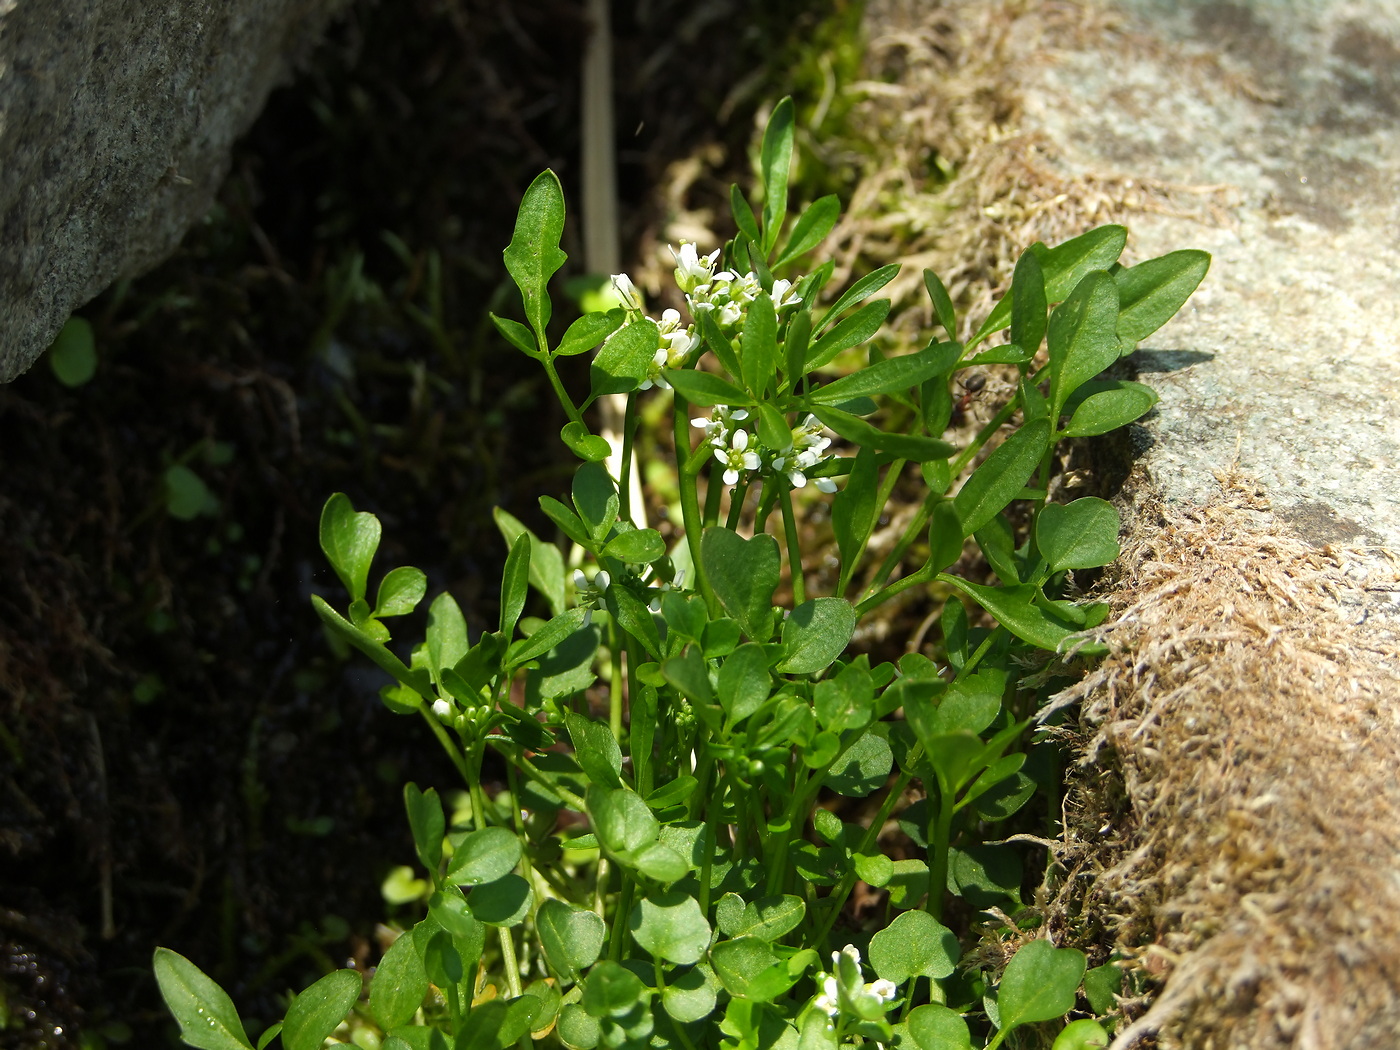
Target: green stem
453, 751
799, 584
624, 470
940, 834
614, 680
618, 936
736, 504
714, 493
923, 575
563, 395
514, 753
882, 499
690, 500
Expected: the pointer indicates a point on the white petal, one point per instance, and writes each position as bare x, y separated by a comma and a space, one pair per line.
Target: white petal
731, 477
827, 485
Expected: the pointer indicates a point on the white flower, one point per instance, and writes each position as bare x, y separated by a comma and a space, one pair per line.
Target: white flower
719, 425
886, 990
827, 485
442, 709
659, 361
627, 292
692, 270
781, 295
590, 595
737, 458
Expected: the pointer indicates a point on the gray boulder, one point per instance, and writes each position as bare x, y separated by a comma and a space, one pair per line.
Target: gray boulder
116, 121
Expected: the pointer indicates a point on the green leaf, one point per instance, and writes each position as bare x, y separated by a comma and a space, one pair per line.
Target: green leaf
854, 510
572, 937
889, 376
811, 228
447, 634
744, 574
1084, 1034
427, 822
636, 546
689, 674
625, 359
749, 969
533, 255
690, 997
773, 429
915, 944
400, 984
485, 855
504, 902
670, 926
1014, 609
586, 446
717, 342
569, 523
186, 495
743, 215
634, 617
846, 701
546, 563
1101, 987
1028, 304
942, 303
1063, 267
914, 447
318, 1011
706, 388
858, 292
945, 535
596, 750
1083, 338
416, 681
272, 1031
400, 592
1005, 799
1078, 535
986, 876
769, 918
206, 1014
795, 345
588, 331
1039, 984
622, 819
758, 359
775, 159
516, 334
864, 767
936, 1027
546, 638
499, 1023
1110, 409
815, 634
578, 1030
611, 990
595, 499
851, 331
875, 869
349, 539
744, 683
515, 581
1001, 476
1151, 292
73, 354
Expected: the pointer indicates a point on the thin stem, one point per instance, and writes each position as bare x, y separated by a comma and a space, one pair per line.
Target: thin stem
882, 499
736, 504
618, 936
690, 500
453, 751
563, 395
624, 470
923, 575
940, 834
714, 493
614, 680
799, 584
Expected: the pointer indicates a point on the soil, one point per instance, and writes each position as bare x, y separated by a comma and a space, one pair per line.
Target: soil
184, 761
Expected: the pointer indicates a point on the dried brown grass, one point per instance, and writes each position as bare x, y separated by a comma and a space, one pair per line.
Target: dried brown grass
1235, 818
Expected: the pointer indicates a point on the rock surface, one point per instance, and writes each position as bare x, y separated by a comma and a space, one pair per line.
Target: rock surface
116, 120
1284, 364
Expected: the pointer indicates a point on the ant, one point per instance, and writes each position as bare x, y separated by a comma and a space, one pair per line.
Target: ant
972, 386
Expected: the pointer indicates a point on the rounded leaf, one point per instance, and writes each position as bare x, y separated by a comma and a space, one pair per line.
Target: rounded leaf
484, 856
671, 926
504, 902
349, 539
399, 984
1039, 984
1086, 1034
915, 944
936, 1027
571, 937
611, 990
815, 634
691, 996
73, 355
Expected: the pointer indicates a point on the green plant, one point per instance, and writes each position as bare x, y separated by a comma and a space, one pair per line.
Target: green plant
698, 905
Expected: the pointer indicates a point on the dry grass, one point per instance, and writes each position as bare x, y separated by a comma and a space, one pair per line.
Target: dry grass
1244, 845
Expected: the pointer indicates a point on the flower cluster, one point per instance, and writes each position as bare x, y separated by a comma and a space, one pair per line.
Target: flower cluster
741, 453
726, 293
591, 595
845, 990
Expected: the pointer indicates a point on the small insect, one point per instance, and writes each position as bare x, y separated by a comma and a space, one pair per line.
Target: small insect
971, 386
